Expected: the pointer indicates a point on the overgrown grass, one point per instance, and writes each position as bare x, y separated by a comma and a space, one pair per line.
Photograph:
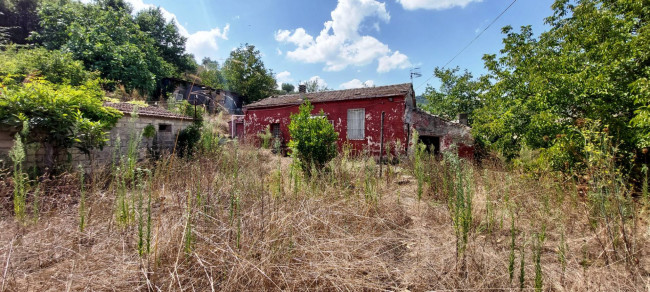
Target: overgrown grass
236, 218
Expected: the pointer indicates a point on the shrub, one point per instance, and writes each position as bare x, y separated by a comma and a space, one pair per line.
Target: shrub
312, 138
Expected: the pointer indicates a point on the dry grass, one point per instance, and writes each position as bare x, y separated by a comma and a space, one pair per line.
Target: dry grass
324, 236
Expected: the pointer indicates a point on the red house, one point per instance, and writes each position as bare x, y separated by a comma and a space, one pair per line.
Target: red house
357, 116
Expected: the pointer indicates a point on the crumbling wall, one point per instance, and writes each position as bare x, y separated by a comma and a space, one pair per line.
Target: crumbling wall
450, 133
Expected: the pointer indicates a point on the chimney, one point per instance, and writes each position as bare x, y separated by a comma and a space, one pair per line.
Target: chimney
302, 88
462, 119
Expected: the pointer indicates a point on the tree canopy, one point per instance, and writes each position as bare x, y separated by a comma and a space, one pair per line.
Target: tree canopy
245, 74
588, 73
135, 52
458, 93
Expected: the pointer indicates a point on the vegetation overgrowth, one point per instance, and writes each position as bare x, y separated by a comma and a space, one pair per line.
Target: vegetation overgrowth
238, 218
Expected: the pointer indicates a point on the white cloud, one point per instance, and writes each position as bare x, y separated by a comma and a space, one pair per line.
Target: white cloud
356, 83
395, 61
283, 77
434, 4
278, 51
340, 43
321, 83
203, 43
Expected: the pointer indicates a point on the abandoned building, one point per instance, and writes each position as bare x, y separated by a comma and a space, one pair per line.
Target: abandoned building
166, 125
213, 100
361, 117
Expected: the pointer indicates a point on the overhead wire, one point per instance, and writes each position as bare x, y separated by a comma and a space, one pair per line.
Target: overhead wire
471, 42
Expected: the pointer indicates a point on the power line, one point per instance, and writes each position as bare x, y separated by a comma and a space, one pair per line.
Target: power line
472, 41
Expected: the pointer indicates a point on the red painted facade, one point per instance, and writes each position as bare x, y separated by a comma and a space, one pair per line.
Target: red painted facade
394, 108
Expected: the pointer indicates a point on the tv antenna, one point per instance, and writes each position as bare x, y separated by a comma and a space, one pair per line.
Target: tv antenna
415, 72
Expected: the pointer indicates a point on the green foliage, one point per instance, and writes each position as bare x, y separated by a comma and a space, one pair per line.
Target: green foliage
287, 87
459, 185
17, 155
167, 40
458, 93
58, 116
106, 38
245, 73
313, 138
20, 64
591, 65
18, 18
188, 140
211, 75
266, 138
149, 131
313, 86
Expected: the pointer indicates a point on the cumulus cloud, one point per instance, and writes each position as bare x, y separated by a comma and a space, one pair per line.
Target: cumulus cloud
340, 43
356, 83
283, 77
321, 83
203, 43
395, 61
434, 4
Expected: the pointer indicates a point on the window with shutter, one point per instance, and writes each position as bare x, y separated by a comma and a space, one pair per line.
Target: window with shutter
356, 123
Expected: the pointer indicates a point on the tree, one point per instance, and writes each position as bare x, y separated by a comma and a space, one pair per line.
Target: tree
18, 18
58, 116
21, 64
287, 87
167, 40
105, 38
590, 66
210, 74
245, 74
313, 138
458, 93
313, 86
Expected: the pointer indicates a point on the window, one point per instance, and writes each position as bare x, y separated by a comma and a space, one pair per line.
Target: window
164, 128
179, 96
356, 124
275, 130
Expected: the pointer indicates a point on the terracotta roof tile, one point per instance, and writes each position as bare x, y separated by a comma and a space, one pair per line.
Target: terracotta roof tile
149, 111
335, 95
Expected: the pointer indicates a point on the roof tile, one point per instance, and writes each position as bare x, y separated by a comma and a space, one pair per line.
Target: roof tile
335, 95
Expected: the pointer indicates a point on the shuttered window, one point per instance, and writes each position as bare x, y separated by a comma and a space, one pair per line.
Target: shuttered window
356, 123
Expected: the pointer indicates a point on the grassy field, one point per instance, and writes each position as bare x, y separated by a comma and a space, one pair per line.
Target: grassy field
242, 219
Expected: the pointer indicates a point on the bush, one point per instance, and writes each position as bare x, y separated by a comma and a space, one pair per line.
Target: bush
313, 138
188, 140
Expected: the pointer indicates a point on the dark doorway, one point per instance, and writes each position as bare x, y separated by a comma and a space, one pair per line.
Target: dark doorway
432, 143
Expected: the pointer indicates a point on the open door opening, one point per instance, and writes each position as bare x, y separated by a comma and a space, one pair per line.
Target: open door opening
432, 143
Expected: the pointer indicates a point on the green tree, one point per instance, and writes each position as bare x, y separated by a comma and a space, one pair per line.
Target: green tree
313, 138
245, 74
590, 66
58, 116
210, 74
18, 18
104, 36
287, 87
313, 86
458, 93
19, 64
168, 41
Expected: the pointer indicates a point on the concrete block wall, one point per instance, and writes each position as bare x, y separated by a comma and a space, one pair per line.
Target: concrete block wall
124, 129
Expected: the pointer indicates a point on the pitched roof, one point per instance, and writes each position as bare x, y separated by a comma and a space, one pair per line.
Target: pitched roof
148, 111
336, 95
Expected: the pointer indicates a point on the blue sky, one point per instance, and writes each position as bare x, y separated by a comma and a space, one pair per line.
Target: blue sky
349, 43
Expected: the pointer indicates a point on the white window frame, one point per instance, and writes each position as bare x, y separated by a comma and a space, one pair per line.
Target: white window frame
356, 124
